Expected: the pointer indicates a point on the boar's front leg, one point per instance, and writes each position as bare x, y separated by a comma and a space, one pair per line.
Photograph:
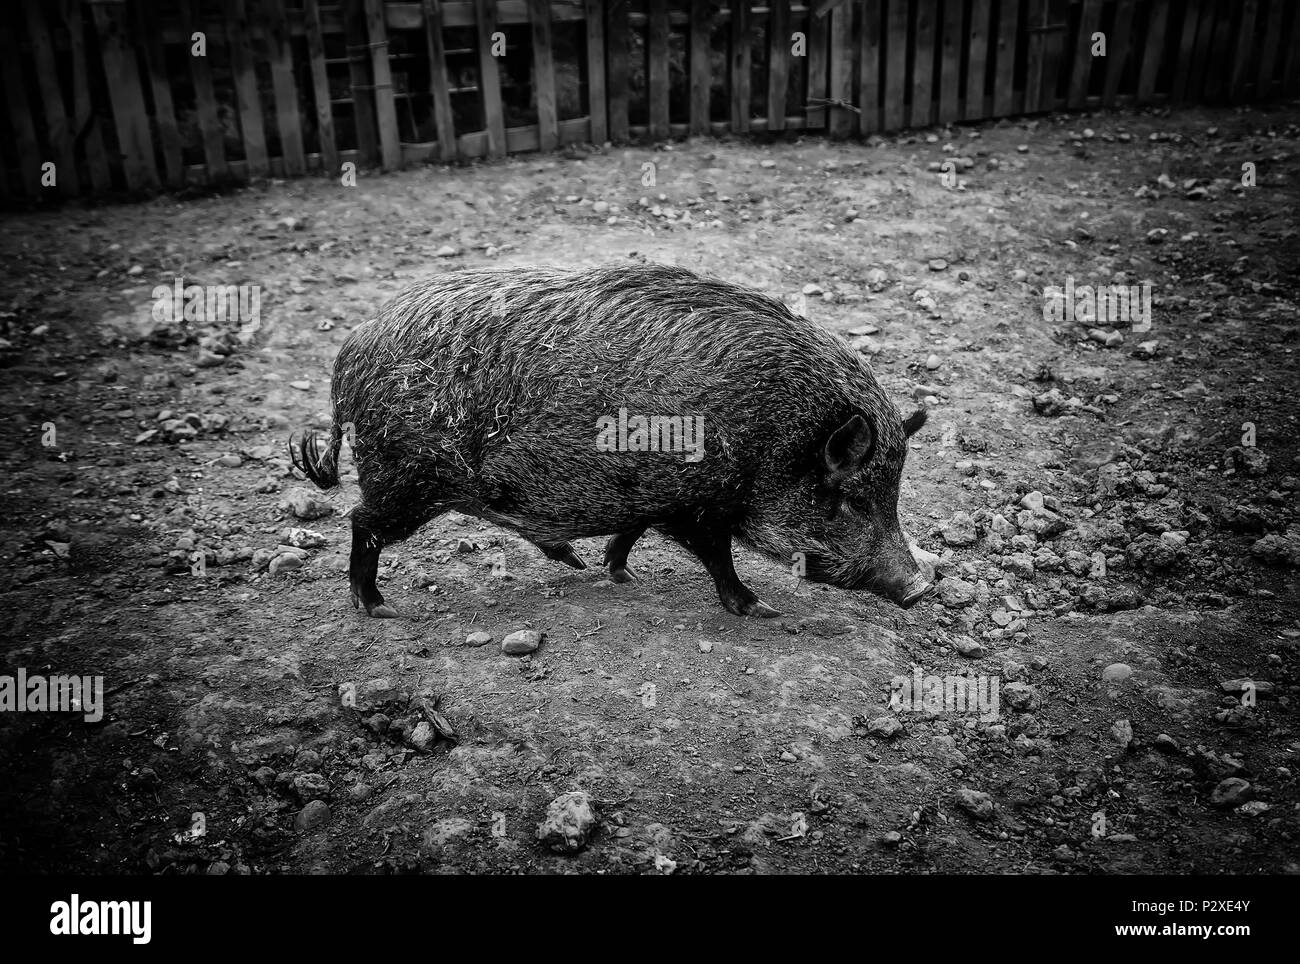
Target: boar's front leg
371, 531
711, 544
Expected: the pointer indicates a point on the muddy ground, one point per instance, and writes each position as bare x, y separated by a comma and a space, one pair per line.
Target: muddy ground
707, 743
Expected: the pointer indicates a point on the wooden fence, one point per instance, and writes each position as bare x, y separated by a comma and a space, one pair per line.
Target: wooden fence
142, 95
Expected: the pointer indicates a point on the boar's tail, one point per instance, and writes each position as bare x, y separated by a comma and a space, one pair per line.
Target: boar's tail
321, 467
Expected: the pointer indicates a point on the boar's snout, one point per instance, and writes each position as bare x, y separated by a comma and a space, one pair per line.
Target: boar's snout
911, 591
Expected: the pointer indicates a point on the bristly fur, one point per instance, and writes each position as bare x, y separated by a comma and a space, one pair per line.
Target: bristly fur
480, 390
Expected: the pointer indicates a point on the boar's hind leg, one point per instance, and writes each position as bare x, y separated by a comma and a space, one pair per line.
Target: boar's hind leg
712, 546
371, 531
616, 551
564, 553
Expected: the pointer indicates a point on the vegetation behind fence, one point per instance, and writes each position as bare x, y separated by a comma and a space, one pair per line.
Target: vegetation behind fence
104, 95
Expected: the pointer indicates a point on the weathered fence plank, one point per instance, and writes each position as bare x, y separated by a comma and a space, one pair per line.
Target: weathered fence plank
1005, 101
778, 49
20, 115
489, 79
122, 74
1151, 56
923, 54
1119, 49
842, 120
58, 127
819, 26
616, 29
439, 88
320, 83
950, 61
1081, 71
741, 66
701, 78
84, 122
390, 144
657, 46
239, 35
596, 108
977, 43
870, 47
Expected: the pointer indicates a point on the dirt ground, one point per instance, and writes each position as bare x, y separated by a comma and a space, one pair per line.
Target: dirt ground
706, 742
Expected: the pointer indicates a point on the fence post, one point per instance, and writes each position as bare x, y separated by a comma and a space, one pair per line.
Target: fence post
244, 75
390, 145
617, 32
85, 122
870, 41
548, 124
657, 70
923, 65
29, 156
489, 78
841, 119
320, 81
950, 63
1120, 48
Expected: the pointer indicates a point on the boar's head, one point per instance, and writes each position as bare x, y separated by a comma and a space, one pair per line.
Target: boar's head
838, 521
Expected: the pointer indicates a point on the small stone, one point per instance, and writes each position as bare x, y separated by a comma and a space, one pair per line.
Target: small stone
706, 646
230, 461
1116, 672
968, 647
306, 506
315, 814
568, 823
956, 593
892, 839
1122, 732
1021, 697
520, 642
446, 251
1231, 792
311, 786
479, 638
423, 737
285, 562
932, 363
885, 727
302, 538
464, 545
959, 530
938, 264
1032, 500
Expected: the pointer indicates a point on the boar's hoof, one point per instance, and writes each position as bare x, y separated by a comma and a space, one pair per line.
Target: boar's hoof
564, 553
760, 608
382, 611
622, 575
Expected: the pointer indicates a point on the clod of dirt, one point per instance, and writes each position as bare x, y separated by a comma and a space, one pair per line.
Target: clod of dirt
520, 642
1277, 550
568, 823
1245, 458
975, 802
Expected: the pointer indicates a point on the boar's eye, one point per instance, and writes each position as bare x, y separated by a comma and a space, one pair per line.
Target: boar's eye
912, 424
848, 450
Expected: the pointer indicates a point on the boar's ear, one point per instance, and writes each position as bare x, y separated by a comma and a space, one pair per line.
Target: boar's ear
848, 449
912, 424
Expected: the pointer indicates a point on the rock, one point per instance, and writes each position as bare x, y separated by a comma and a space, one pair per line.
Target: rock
315, 814
520, 642
1043, 523
1236, 687
1116, 672
1278, 550
423, 737
285, 562
446, 251
600, 207
968, 647
479, 638
885, 727
956, 593
230, 461
975, 802
372, 694
928, 562
938, 264
932, 363
706, 646
959, 530
305, 505
568, 823
302, 538
1231, 792
1020, 563
208, 359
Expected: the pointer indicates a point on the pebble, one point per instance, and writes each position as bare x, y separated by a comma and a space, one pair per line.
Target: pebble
521, 641
1231, 792
1122, 732
959, 530
479, 638
315, 814
446, 251
305, 505
285, 562
1117, 672
302, 538
932, 363
423, 737
230, 461
706, 646
968, 647
885, 727
938, 264
956, 593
